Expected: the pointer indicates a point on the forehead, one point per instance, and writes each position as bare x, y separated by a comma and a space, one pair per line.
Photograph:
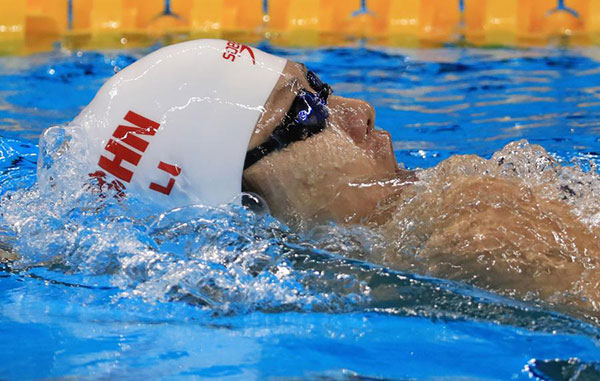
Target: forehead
292, 80
293, 73
295, 68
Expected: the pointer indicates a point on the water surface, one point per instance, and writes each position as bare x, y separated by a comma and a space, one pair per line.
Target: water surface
113, 289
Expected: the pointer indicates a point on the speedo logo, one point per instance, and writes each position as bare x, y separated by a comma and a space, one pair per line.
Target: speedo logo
234, 50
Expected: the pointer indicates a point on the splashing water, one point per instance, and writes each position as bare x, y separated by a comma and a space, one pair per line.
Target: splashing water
228, 259
225, 258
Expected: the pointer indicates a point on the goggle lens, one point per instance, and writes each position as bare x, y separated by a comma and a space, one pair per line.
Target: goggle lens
307, 116
323, 89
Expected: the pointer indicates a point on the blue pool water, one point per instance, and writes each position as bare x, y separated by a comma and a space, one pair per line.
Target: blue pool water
111, 290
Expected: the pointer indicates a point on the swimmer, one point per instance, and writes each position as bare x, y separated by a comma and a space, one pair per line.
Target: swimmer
201, 121
464, 220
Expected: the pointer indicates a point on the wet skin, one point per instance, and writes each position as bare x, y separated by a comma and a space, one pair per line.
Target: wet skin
490, 231
342, 174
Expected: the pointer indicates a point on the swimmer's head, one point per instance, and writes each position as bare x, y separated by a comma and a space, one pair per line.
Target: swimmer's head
173, 128
186, 123
342, 173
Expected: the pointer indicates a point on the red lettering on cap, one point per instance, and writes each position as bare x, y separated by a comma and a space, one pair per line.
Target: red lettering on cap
162, 189
128, 136
171, 169
233, 50
121, 153
143, 126
250, 51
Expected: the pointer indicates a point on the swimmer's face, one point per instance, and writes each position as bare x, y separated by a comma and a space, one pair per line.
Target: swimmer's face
340, 173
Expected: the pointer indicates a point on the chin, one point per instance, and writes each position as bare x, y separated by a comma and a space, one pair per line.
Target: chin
379, 142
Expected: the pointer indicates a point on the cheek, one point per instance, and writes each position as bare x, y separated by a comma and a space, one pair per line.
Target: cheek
307, 172
318, 177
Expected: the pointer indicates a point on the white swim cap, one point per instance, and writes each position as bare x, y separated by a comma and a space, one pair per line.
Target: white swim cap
174, 127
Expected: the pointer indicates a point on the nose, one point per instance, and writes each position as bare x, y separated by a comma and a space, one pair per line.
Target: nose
354, 116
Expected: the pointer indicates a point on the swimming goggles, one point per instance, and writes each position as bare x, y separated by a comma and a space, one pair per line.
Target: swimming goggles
306, 117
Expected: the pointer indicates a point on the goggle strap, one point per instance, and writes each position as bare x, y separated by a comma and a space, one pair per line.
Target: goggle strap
280, 139
287, 133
